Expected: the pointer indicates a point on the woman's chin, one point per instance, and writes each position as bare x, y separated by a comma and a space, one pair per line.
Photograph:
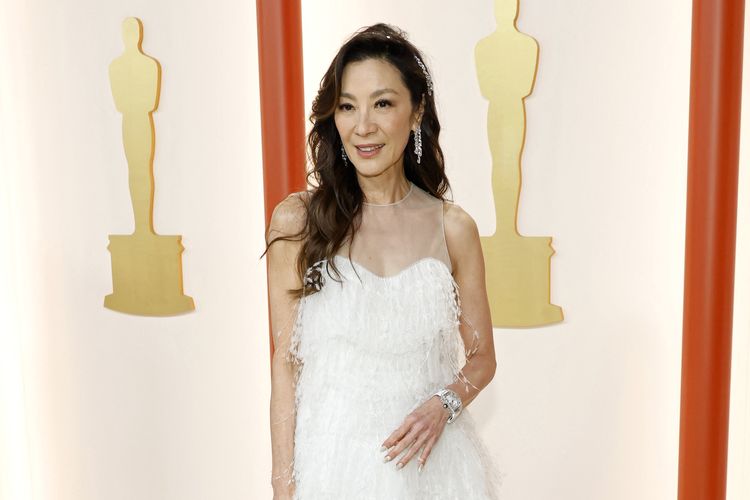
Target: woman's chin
365, 169
371, 168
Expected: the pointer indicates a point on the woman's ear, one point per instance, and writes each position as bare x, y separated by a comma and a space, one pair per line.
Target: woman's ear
419, 112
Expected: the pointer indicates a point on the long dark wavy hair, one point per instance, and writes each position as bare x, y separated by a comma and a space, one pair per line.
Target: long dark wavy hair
335, 201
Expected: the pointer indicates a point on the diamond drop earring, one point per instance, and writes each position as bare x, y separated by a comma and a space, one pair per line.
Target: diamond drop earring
418, 143
343, 156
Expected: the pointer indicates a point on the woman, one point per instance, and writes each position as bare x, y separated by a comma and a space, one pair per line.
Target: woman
374, 358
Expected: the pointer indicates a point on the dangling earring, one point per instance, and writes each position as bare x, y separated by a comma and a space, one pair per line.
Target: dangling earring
418, 143
343, 156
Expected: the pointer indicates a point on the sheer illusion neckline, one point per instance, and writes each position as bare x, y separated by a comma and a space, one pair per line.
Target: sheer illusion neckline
411, 188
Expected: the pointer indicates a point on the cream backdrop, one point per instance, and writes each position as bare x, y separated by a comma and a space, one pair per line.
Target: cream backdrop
117, 406
99, 405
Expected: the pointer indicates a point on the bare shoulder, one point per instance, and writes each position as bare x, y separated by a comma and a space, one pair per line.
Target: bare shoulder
461, 234
289, 216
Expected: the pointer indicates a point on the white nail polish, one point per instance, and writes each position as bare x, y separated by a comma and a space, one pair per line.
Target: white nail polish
399, 465
383, 448
420, 467
386, 458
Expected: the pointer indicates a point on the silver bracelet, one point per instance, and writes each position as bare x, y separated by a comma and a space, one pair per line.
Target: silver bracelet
451, 401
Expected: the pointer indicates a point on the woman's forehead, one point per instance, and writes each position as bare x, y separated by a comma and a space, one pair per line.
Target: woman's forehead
371, 75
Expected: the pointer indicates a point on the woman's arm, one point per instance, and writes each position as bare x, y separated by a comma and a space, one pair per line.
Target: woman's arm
287, 219
465, 249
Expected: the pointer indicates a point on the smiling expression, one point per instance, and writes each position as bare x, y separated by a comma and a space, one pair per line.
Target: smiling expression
374, 116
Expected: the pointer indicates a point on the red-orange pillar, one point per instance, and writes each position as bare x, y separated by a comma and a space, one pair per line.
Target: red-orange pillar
282, 111
713, 153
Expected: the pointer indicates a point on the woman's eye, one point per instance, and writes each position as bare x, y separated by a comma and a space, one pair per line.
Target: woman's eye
383, 101
344, 107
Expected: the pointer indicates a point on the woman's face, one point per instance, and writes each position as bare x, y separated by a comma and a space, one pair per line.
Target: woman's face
374, 116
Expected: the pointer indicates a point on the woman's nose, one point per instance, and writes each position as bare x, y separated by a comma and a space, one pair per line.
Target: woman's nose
365, 125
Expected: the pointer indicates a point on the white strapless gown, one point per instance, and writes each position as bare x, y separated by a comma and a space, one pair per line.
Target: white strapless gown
373, 351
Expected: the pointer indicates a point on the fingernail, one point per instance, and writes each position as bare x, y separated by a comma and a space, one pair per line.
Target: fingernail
383, 448
386, 458
420, 467
399, 465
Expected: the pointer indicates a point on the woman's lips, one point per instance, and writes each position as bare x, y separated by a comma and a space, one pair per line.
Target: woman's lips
369, 154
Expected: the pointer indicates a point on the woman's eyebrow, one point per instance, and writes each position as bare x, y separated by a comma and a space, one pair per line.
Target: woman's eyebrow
374, 94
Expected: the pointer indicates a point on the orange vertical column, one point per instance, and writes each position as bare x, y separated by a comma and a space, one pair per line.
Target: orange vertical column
713, 152
282, 112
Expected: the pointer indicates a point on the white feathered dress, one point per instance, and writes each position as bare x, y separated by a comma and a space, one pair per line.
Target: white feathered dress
371, 349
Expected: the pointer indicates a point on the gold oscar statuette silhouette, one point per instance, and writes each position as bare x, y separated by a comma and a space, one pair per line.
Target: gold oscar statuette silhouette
517, 267
146, 267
